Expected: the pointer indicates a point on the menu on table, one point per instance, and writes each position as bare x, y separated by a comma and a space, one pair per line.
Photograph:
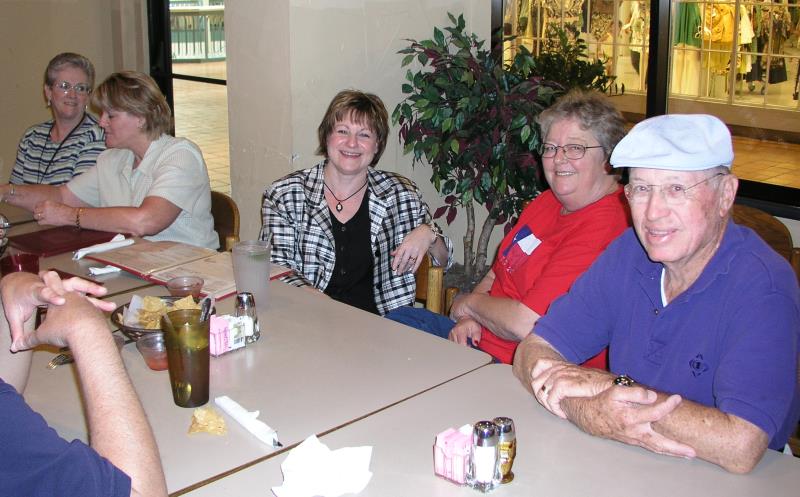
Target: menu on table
161, 261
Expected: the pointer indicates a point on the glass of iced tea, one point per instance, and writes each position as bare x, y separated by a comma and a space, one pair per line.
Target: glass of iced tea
186, 338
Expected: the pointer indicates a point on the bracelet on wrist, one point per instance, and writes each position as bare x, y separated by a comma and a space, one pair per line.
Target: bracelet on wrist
437, 232
78, 217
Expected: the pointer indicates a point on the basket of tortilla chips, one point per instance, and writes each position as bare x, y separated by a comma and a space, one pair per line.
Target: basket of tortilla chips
143, 314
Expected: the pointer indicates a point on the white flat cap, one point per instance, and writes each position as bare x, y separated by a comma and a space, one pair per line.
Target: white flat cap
679, 142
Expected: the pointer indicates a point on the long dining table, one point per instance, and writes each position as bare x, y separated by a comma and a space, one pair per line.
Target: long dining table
554, 458
318, 366
354, 379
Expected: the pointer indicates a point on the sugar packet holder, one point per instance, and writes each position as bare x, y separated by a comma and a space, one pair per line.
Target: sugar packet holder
228, 333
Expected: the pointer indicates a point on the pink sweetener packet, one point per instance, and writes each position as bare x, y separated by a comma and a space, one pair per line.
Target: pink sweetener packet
451, 454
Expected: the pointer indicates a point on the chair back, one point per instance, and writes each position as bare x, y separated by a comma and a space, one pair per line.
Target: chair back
772, 231
430, 281
226, 220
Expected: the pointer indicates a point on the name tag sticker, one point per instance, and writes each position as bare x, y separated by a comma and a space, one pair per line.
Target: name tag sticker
529, 244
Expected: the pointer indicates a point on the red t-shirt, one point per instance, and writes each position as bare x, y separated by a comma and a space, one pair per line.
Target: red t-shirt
546, 251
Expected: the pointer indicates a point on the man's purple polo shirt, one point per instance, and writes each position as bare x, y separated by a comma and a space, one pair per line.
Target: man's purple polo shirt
729, 341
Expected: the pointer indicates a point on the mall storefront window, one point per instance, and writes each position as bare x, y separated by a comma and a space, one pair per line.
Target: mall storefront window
738, 60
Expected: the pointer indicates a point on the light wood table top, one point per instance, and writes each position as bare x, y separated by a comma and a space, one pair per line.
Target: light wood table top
319, 365
554, 458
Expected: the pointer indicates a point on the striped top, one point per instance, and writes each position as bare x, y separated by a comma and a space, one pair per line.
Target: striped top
41, 161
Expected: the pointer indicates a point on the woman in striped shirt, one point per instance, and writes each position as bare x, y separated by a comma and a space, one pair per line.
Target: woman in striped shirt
52, 152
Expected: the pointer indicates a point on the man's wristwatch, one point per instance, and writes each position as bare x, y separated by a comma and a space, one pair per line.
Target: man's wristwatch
624, 380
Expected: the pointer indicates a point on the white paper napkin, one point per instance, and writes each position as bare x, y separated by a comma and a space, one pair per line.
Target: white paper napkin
313, 469
248, 420
116, 242
97, 271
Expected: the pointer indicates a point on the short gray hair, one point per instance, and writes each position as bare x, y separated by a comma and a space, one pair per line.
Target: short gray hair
75, 60
593, 111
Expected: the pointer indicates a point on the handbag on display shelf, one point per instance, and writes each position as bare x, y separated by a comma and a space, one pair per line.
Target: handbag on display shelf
777, 71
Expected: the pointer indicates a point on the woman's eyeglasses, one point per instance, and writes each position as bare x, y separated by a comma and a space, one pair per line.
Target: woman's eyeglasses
80, 88
572, 151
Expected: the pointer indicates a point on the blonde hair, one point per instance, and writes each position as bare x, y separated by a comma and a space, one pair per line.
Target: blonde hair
363, 108
135, 93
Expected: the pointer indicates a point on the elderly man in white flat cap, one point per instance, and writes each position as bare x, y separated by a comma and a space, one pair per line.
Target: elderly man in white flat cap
700, 316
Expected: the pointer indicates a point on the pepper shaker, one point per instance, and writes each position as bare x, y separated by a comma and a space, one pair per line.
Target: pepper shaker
507, 447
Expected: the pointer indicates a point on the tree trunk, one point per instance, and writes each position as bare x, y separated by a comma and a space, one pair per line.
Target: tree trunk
469, 253
483, 243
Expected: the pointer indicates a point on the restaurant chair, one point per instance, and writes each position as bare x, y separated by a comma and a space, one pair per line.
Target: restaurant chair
430, 287
777, 236
226, 220
772, 231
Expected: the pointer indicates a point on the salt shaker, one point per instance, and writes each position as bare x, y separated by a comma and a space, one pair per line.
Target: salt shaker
484, 468
507, 447
246, 306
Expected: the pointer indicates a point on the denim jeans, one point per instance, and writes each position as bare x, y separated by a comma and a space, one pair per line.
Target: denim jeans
423, 319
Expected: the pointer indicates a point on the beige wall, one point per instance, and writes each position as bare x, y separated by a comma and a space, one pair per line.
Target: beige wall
32, 32
286, 60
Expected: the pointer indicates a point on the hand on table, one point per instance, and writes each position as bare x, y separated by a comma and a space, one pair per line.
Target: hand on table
54, 213
77, 315
464, 329
407, 257
553, 380
23, 292
627, 414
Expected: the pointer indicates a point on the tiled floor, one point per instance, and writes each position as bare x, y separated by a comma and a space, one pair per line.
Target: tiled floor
201, 114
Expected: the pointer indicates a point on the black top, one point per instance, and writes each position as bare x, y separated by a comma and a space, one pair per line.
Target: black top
352, 280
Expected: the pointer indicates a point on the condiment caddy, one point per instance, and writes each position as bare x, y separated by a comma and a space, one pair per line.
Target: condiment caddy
479, 456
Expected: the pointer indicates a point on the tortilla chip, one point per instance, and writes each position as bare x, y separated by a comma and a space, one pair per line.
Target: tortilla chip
153, 304
207, 420
185, 303
153, 308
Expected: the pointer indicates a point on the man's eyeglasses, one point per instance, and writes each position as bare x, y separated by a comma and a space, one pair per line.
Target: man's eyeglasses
572, 151
80, 88
674, 194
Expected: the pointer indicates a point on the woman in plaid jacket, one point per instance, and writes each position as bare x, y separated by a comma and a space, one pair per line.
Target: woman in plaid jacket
349, 230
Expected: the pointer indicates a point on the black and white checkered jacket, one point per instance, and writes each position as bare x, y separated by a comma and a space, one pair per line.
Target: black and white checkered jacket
296, 214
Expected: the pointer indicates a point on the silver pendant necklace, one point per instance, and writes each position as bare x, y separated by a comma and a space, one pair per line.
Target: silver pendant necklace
339, 202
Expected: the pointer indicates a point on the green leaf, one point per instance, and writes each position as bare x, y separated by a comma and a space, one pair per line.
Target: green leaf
438, 36
407, 60
408, 148
422, 58
454, 146
518, 121
525, 133
407, 88
486, 181
422, 103
447, 124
